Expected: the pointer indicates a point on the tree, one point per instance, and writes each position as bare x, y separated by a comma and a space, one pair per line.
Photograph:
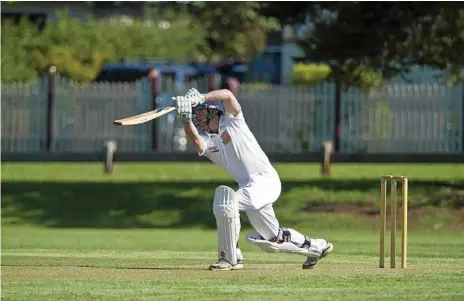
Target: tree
232, 30
18, 41
385, 37
78, 48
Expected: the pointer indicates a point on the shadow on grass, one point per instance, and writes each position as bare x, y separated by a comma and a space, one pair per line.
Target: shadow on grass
149, 204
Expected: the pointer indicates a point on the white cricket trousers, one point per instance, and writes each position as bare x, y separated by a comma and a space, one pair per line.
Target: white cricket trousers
256, 198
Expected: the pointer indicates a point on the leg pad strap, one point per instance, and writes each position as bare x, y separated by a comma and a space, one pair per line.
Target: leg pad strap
276, 247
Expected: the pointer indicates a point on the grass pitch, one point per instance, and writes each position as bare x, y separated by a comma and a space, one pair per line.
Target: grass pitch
69, 232
161, 264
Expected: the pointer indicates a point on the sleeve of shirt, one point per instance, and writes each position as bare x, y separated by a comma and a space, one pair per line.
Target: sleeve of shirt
238, 120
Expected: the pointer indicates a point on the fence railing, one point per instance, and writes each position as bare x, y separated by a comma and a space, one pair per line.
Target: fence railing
406, 118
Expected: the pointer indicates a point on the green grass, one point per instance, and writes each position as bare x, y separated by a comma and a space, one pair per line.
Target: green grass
159, 171
69, 232
177, 195
163, 264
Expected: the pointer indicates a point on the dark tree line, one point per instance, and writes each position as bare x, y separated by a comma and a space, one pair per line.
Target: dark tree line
388, 37
384, 38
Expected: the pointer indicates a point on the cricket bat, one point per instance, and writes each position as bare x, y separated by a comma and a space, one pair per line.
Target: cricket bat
144, 117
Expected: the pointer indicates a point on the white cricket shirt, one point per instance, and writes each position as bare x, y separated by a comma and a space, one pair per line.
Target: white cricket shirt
240, 155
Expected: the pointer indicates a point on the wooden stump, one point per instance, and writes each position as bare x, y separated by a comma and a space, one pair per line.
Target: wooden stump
326, 164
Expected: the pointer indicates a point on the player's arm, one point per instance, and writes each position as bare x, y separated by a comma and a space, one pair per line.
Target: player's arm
194, 137
184, 112
228, 99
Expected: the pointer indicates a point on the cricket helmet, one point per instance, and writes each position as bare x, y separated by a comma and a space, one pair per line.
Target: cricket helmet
203, 113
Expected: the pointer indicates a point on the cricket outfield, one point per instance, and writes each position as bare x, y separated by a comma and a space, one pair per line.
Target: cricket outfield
69, 232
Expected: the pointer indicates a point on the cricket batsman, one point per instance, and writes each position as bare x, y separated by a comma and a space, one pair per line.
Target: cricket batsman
225, 139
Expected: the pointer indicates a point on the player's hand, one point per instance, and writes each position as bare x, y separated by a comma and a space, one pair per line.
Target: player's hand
197, 97
184, 108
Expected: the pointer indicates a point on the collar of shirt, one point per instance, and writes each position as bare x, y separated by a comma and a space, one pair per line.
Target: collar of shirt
222, 123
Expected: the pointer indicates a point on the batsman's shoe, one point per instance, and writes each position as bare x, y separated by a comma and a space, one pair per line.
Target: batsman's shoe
224, 265
320, 246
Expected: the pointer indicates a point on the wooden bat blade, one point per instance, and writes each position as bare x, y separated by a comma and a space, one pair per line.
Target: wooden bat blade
144, 117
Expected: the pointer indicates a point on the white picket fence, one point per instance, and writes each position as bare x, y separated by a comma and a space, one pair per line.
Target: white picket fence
399, 118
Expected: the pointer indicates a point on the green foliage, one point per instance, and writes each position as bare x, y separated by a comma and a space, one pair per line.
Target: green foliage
232, 29
313, 74
18, 42
309, 74
363, 78
78, 48
385, 37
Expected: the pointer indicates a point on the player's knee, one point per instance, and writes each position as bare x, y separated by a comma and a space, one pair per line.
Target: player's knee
264, 222
224, 202
253, 206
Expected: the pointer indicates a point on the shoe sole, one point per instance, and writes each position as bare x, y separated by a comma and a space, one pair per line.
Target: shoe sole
238, 266
325, 253
220, 269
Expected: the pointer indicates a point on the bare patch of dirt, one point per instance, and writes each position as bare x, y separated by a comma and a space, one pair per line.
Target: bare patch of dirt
450, 200
365, 209
368, 210
449, 214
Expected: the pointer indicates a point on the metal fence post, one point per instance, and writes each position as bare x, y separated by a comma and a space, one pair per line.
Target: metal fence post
462, 116
50, 104
212, 81
337, 108
155, 85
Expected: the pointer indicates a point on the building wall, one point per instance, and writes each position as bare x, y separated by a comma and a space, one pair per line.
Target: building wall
289, 51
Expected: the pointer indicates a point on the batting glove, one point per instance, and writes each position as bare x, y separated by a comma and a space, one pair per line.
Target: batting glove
197, 97
184, 108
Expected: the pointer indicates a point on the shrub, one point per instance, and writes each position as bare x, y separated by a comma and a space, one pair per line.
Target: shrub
78, 48
313, 74
309, 74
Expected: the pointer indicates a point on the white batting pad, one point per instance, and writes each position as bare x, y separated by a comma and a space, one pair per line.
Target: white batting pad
273, 247
225, 210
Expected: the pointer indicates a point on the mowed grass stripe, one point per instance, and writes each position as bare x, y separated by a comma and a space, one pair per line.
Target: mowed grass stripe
179, 195
316, 287
187, 271
59, 272
97, 251
198, 171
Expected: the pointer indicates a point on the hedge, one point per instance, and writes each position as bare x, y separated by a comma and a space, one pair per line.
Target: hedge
312, 74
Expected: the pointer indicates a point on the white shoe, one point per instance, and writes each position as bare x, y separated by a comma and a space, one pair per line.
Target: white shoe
319, 246
224, 265
239, 265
